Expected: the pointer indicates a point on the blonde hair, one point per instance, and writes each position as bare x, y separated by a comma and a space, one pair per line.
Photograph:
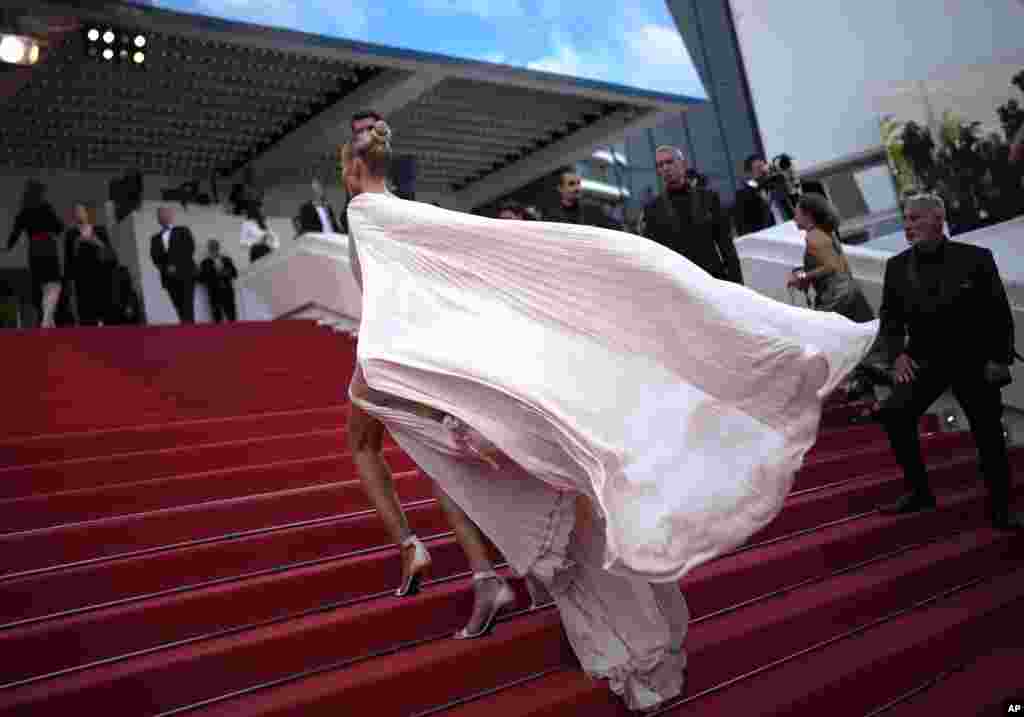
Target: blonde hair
372, 146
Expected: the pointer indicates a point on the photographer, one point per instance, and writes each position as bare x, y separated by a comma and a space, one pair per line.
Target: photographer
764, 200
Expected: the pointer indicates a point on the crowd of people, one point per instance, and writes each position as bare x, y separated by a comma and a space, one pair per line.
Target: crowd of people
76, 277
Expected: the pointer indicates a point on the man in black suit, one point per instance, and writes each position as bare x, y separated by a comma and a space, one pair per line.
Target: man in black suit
949, 298
218, 272
759, 203
570, 210
172, 250
690, 220
317, 215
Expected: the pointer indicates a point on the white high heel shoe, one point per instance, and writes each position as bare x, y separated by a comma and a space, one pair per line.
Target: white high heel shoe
420, 562
505, 597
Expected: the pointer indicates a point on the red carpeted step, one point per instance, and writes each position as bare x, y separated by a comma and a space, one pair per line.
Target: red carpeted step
120, 629
986, 685
839, 416
851, 676
810, 509
726, 647
66, 642
41, 511
113, 496
74, 542
84, 473
227, 557
719, 648
35, 550
69, 384
852, 436
30, 450
69, 588
221, 450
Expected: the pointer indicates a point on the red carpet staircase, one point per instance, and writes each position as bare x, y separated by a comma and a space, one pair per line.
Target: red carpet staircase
183, 533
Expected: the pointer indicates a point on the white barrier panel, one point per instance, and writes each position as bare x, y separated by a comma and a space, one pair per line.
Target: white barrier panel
310, 278
769, 256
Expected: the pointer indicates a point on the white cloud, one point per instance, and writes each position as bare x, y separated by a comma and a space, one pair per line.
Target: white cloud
486, 9
656, 44
649, 56
498, 58
564, 61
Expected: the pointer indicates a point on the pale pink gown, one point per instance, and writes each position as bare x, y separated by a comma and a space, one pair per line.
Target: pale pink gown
603, 364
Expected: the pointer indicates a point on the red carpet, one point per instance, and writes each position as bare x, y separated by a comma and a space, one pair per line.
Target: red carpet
182, 530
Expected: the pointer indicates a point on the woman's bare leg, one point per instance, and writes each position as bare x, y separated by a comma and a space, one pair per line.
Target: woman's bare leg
490, 592
51, 296
365, 440
469, 537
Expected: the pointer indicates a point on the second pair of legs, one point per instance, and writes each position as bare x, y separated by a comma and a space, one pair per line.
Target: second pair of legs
983, 405
492, 593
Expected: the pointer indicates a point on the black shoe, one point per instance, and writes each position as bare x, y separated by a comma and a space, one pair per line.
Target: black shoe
910, 503
1011, 521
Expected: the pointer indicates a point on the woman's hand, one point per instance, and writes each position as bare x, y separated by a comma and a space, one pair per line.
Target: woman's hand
798, 280
904, 369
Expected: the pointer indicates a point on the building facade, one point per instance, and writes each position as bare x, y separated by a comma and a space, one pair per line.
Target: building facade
716, 136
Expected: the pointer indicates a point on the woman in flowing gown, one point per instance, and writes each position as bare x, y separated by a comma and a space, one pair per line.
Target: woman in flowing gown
607, 413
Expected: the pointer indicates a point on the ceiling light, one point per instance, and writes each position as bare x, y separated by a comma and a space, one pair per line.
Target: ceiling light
18, 50
108, 37
140, 41
139, 58
94, 35
108, 54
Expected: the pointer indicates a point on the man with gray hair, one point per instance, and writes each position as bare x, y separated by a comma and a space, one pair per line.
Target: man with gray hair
948, 297
690, 220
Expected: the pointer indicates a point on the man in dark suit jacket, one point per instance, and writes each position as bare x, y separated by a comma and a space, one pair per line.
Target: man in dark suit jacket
949, 298
570, 210
317, 215
690, 220
218, 272
172, 250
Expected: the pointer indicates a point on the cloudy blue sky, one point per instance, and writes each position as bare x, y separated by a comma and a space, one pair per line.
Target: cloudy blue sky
634, 43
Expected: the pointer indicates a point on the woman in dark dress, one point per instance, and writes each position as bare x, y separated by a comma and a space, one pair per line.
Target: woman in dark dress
38, 219
89, 264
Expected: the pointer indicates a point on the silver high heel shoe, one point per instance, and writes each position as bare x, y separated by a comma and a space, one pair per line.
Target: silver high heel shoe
420, 562
505, 597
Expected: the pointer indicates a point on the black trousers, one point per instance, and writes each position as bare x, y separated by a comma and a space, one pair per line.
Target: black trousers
222, 304
984, 408
183, 294
94, 300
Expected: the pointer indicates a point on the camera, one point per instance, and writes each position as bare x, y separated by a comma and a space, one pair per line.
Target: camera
778, 178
